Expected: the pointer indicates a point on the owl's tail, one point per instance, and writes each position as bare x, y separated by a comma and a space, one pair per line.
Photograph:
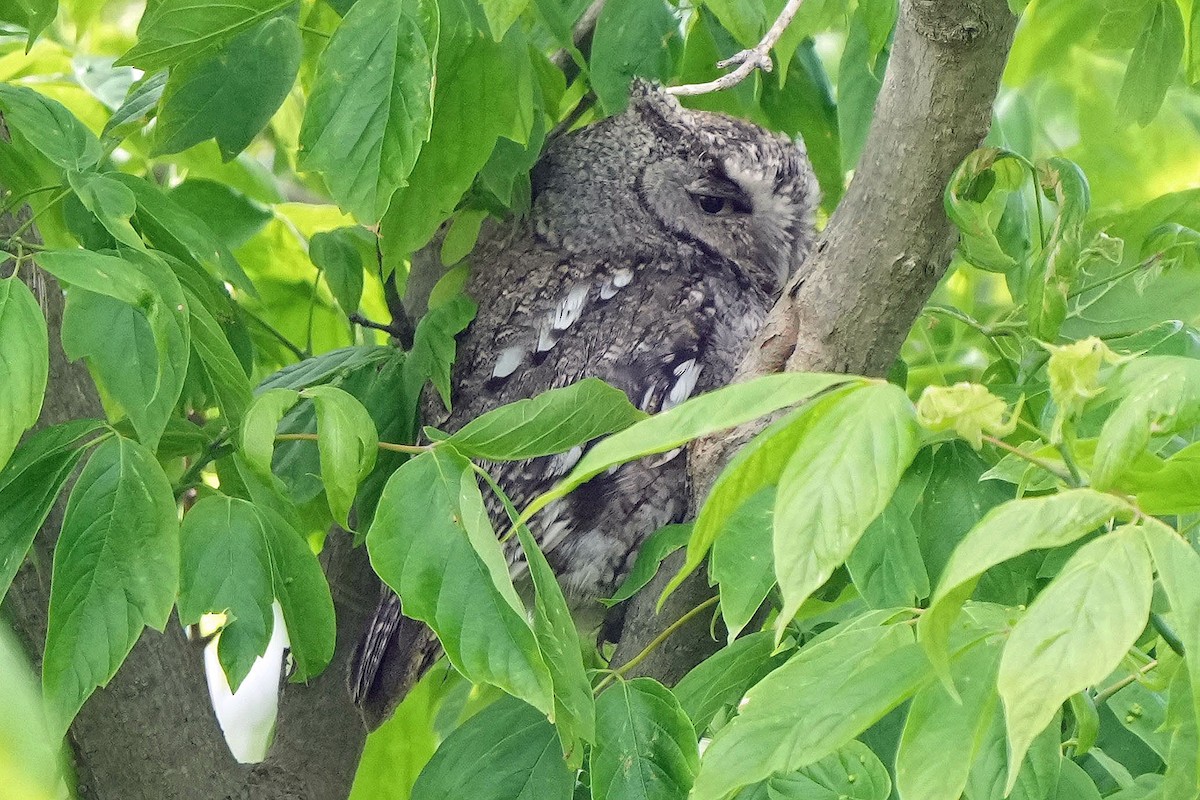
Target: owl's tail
391, 657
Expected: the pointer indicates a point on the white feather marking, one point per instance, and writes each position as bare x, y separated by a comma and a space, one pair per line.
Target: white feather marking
687, 373
607, 290
510, 358
546, 337
570, 307
622, 277
562, 463
664, 458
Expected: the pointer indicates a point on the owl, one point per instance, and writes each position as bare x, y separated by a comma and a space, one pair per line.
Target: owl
657, 242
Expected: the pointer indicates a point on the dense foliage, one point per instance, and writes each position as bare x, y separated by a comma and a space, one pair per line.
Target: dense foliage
979, 579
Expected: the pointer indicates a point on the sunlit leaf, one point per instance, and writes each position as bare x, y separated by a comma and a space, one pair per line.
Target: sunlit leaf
806, 709
29, 486
508, 751
24, 363
1006, 532
431, 542
173, 31
645, 746
116, 571
552, 422
231, 93
370, 110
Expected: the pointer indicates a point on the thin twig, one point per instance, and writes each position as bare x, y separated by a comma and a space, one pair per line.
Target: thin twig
276, 334
757, 57
396, 448
390, 330
579, 34
662, 637
1048, 467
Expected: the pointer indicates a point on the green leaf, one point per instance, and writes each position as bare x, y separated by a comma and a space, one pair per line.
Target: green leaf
826, 694
553, 422
501, 14
854, 772
839, 478
173, 31
133, 332
219, 361
371, 107
396, 752
231, 93
860, 73
1039, 771
229, 213
258, 431
432, 543
508, 751
24, 363
348, 445
633, 38
29, 486
49, 127
662, 543
1193, 46
484, 91
226, 569
886, 564
1178, 568
335, 254
1054, 272
141, 100
32, 767
975, 201
1153, 64
1162, 395
942, 733
645, 745
326, 367
1075, 633
1005, 532
574, 707
696, 417
722, 679
434, 347
111, 201
743, 564
173, 229
300, 585
755, 467
116, 570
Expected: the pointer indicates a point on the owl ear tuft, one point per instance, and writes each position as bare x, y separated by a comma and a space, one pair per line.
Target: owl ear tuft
650, 98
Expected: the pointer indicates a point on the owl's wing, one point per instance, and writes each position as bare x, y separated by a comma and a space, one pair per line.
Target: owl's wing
549, 318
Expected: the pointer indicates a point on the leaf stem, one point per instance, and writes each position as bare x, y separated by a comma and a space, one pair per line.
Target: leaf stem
395, 448
1046, 465
658, 640
1104, 695
274, 332
215, 449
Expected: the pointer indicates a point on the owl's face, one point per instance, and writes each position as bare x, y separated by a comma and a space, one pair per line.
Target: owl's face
664, 173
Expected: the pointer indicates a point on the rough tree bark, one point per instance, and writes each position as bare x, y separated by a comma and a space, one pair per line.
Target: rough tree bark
151, 733
881, 256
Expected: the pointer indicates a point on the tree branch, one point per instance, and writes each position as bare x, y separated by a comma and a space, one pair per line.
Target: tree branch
151, 733
874, 266
757, 57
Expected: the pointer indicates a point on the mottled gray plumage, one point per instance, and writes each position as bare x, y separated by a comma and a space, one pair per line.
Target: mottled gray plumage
657, 242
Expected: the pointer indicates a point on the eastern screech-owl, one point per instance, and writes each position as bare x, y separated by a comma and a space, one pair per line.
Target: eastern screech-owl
657, 242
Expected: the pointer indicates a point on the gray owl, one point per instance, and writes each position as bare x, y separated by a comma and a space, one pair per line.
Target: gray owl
657, 242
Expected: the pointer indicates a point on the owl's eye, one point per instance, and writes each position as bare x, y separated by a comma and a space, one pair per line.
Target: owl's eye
711, 203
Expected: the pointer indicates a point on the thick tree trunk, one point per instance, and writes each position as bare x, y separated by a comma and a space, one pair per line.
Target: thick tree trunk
883, 253
151, 733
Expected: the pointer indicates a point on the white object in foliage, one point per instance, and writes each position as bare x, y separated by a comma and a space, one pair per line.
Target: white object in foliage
247, 717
